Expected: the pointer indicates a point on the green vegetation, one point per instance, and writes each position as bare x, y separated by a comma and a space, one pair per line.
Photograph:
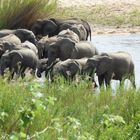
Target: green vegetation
63, 111
21, 13
114, 15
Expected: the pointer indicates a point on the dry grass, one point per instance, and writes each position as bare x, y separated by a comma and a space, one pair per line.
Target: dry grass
114, 15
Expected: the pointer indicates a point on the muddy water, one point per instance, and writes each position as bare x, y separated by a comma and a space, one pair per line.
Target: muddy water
129, 43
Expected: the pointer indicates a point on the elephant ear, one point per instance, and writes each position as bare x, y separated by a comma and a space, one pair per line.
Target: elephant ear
66, 47
50, 28
15, 56
104, 65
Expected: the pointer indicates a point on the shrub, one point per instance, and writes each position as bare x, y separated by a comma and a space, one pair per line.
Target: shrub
22, 13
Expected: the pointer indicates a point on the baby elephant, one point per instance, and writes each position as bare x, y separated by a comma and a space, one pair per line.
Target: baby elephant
117, 66
68, 68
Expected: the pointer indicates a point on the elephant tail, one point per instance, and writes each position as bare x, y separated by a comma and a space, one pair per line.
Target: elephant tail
89, 32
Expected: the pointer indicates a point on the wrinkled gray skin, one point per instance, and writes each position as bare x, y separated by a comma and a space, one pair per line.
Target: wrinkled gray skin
70, 68
7, 46
43, 44
11, 38
51, 26
17, 61
65, 48
78, 29
117, 66
31, 46
8, 42
69, 34
41, 67
22, 34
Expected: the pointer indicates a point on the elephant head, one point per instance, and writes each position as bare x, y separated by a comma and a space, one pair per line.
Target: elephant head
80, 31
43, 45
25, 34
61, 49
73, 67
50, 28
69, 34
37, 27
99, 64
6, 46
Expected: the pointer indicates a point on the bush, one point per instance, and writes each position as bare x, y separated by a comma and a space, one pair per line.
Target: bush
22, 13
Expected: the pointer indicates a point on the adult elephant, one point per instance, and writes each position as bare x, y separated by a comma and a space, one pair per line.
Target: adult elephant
79, 29
117, 66
51, 26
30, 45
66, 48
11, 38
17, 61
9, 46
43, 43
22, 34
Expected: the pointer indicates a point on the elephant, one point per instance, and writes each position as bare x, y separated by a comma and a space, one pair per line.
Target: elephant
76, 28
66, 48
31, 46
18, 61
69, 34
7, 46
11, 38
117, 66
41, 67
68, 69
22, 34
43, 43
51, 26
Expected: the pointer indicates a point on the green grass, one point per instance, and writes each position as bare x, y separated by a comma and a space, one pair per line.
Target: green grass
22, 13
63, 111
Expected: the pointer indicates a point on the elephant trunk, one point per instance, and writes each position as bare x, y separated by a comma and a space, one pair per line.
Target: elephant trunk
38, 73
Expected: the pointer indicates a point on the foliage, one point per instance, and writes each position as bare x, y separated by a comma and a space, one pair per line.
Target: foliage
21, 13
33, 110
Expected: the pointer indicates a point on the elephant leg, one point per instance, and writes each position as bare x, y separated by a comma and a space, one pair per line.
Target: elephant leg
95, 84
108, 79
23, 72
17, 69
132, 79
11, 74
101, 80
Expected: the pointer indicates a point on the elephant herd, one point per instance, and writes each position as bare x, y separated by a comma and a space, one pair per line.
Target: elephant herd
60, 47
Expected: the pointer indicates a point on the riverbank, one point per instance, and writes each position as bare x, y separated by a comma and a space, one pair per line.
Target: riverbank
105, 17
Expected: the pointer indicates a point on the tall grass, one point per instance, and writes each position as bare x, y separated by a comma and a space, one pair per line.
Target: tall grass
21, 13
31, 110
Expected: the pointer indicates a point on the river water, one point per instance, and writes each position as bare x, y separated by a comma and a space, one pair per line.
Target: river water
113, 43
